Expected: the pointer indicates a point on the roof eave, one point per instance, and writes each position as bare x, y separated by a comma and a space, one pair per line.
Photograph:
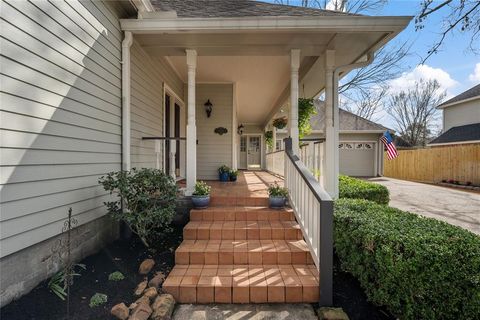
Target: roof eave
446, 105
278, 23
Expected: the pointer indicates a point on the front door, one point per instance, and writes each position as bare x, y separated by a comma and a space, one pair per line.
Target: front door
253, 153
172, 130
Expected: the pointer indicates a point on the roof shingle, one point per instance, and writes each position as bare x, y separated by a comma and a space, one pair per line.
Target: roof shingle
235, 9
469, 132
470, 93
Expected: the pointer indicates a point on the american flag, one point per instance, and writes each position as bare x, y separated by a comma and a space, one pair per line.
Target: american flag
388, 142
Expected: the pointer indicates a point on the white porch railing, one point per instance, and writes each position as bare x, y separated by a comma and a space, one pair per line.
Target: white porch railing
311, 155
313, 209
276, 162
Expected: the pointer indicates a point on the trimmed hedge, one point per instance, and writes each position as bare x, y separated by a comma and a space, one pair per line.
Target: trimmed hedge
359, 189
420, 268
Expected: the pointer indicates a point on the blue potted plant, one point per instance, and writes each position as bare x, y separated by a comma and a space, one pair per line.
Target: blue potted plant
277, 196
233, 175
224, 173
201, 195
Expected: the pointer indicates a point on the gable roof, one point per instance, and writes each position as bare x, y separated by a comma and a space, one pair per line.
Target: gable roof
235, 9
348, 120
466, 133
466, 95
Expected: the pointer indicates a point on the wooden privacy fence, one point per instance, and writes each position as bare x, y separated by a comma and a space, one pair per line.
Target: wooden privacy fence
456, 162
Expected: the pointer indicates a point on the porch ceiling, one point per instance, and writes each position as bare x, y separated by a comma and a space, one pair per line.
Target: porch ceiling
259, 79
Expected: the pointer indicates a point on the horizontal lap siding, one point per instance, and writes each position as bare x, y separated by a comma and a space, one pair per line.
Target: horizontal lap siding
213, 150
60, 116
147, 78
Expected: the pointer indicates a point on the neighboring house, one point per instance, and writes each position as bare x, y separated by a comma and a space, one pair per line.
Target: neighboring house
461, 119
90, 87
360, 148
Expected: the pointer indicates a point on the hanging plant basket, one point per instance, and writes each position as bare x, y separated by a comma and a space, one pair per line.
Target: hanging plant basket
280, 123
306, 109
269, 138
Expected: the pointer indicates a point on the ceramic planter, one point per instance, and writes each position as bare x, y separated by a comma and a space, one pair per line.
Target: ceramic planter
201, 202
233, 178
276, 202
224, 177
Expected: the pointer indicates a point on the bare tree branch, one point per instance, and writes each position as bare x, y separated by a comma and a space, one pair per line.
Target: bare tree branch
414, 111
464, 16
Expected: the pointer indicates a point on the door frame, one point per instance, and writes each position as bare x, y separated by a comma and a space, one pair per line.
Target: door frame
262, 145
174, 99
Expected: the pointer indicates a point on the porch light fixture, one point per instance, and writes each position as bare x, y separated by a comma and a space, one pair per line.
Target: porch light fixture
208, 108
240, 129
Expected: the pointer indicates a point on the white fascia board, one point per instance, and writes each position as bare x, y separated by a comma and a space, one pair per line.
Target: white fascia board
458, 102
320, 23
452, 143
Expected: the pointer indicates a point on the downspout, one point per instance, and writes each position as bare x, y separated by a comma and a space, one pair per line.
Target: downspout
126, 44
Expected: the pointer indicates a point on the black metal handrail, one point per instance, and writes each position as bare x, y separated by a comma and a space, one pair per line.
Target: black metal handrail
325, 246
274, 152
164, 138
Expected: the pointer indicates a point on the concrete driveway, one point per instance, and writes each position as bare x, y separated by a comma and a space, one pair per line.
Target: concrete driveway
456, 207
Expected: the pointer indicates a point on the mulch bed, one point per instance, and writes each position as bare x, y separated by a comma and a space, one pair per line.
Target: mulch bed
126, 256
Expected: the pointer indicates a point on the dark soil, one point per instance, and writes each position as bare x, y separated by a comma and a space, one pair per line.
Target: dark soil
122, 255
125, 256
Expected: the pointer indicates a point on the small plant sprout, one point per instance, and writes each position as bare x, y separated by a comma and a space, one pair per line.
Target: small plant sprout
116, 276
98, 299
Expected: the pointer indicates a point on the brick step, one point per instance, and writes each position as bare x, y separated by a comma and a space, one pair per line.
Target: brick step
243, 284
242, 230
242, 252
218, 200
241, 213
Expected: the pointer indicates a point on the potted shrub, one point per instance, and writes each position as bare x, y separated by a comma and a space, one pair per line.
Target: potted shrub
277, 196
201, 195
224, 173
233, 175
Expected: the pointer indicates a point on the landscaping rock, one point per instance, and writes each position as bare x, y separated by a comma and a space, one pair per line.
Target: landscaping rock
146, 266
140, 288
143, 299
163, 307
141, 312
157, 280
151, 293
120, 311
132, 305
332, 314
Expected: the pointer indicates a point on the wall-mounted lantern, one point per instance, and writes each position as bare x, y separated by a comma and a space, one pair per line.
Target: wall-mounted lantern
240, 129
208, 108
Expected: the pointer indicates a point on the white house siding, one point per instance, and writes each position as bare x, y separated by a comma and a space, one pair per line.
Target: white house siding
148, 77
461, 114
213, 149
60, 122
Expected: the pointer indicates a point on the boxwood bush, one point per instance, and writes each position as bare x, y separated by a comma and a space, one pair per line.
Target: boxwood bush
420, 268
359, 189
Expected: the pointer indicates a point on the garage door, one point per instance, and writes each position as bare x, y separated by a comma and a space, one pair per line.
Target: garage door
357, 159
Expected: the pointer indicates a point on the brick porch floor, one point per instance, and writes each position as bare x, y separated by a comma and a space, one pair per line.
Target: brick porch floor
240, 251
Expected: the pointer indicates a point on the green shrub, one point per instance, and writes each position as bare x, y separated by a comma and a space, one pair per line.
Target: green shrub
420, 268
149, 196
359, 189
98, 299
116, 276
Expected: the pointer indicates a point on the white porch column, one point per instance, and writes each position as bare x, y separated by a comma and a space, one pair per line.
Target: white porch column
293, 121
126, 44
191, 174
173, 143
330, 171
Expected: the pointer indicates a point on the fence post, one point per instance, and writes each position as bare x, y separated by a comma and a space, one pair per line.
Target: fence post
325, 253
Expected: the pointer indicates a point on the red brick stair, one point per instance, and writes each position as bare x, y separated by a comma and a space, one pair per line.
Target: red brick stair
239, 251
